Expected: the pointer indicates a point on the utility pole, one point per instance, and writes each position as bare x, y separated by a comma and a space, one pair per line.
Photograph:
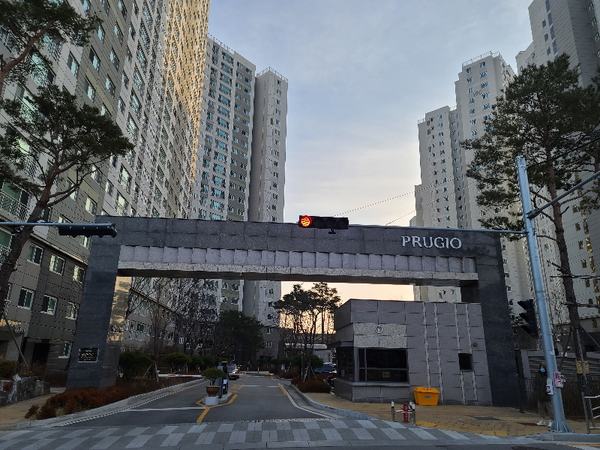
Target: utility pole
559, 424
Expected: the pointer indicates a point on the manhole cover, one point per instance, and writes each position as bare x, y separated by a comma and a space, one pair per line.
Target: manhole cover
484, 418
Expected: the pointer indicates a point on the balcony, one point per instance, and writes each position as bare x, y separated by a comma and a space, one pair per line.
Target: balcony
13, 206
3, 252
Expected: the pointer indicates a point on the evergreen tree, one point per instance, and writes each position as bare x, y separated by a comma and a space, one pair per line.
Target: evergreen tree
52, 137
25, 24
546, 116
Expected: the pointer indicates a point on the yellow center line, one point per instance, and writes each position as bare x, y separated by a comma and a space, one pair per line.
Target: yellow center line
282, 390
208, 408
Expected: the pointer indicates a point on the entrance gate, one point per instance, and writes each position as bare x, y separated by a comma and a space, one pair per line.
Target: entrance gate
152, 247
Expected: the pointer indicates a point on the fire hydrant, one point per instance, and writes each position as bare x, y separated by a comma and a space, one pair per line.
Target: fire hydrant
405, 414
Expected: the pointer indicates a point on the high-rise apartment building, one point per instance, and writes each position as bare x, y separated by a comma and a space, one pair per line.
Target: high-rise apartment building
571, 27
240, 173
446, 198
144, 66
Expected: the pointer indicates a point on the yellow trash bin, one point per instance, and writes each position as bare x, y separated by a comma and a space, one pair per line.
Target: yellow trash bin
426, 396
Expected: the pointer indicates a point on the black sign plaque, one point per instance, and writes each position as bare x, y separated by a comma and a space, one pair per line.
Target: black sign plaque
88, 355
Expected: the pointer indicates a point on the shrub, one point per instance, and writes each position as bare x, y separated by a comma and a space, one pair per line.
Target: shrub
295, 380
8, 387
32, 411
288, 375
314, 386
46, 412
7, 368
315, 361
197, 361
177, 360
212, 374
86, 398
134, 363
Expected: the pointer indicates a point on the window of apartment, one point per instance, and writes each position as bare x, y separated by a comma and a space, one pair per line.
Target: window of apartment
72, 64
35, 254
89, 90
78, 274
94, 59
122, 8
25, 298
49, 304
101, 32
57, 265
90, 206
85, 241
110, 87
114, 59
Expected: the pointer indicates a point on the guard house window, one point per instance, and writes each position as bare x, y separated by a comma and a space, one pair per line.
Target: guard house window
345, 363
465, 361
382, 364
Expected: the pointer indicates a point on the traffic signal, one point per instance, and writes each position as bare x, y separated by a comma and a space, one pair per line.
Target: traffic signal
88, 229
333, 223
529, 317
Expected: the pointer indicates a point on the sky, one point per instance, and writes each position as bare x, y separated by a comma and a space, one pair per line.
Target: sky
361, 74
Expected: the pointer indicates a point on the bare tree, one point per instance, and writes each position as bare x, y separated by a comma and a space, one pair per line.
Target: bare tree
196, 312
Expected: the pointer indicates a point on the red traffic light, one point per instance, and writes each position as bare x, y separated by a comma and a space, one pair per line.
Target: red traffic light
332, 223
305, 221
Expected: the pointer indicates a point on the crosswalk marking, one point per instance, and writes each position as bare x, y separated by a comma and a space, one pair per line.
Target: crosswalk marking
106, 442
70, 445
331, 434
172, 440
423, 434
167, 430
271, 433
362, 434
39, 443
301, 435
453, 434
139, 441
197, 428
205, 439
393, 434
237, 437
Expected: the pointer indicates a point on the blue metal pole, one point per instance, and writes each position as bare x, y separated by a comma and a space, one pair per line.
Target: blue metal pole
559, 424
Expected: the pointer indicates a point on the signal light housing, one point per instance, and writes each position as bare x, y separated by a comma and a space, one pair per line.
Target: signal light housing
88, 229
530, 325
333, 223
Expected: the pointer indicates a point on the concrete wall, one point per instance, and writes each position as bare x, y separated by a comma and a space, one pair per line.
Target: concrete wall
208, 249
433, 334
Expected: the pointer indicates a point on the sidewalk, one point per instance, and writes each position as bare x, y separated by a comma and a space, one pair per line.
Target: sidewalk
11, 414
489, 420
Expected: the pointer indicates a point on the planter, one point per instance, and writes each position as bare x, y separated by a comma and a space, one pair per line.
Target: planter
211, 398
212, 391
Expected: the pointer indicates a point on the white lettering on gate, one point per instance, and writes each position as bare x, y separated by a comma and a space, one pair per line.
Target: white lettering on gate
439, 242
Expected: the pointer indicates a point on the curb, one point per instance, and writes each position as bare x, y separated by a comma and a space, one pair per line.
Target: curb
566, 437
339, 411
106, 410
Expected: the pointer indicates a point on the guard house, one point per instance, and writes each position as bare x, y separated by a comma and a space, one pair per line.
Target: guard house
386, 348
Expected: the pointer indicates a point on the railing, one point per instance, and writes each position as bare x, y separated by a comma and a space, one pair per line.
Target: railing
477, 58
3, 252
13, 206
589, 411
270, 69
219, 43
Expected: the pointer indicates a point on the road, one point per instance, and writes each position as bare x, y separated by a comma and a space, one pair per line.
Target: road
260, 413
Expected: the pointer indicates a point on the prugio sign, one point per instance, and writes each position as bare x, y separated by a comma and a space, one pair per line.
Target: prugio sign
431, 242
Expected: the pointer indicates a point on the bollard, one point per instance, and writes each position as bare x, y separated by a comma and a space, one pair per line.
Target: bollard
393, 413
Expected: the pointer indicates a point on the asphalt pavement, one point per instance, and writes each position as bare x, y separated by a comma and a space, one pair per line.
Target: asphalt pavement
260, 412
